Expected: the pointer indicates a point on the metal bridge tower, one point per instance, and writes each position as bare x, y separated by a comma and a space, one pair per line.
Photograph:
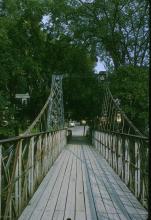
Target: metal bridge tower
55, 115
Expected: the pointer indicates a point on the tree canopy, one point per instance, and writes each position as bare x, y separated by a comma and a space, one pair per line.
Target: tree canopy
130, 85
115, 30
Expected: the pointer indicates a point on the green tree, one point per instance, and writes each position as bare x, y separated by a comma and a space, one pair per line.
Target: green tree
30, 55
130, 85
116, 31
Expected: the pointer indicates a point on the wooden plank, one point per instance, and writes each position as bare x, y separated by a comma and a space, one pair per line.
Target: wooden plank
80, 201
113, 205
117, 193
89, 200
70, 204
58, 215
52, 174
106, 200
100, 208
60, 206
48, 201
121, 188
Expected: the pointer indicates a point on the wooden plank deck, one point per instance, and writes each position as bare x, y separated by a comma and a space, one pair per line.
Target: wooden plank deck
82, 186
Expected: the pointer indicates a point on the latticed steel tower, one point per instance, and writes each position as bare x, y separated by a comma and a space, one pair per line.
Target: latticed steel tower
55, 117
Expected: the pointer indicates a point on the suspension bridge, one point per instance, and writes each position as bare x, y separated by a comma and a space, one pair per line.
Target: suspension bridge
46, 174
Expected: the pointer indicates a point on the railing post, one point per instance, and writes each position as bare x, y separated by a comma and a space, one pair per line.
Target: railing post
123, 158
132, 164
119, 162
106, 146
114, 150
51, 148
103, 141
110, 152
0, 181
49, 151
25, 183
56, 145
137, 169
45, 161
39, 162
100, 142
127, 162
18, 181
31, 167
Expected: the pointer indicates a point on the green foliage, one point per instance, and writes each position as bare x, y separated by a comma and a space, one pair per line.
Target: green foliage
130, 85
82, 98
41, 38
29, 56
114, 30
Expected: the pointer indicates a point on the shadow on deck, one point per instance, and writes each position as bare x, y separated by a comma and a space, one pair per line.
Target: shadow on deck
79, 140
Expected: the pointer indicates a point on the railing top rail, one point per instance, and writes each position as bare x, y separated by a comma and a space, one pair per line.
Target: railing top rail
24, 136
125, 134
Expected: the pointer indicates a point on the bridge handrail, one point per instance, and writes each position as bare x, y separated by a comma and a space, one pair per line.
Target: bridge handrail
24, 162
125, 134
123, 146
17, 138
26, 159
128, 155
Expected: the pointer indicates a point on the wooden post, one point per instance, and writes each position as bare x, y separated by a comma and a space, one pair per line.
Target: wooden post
16, 189
0, 181
39, 168
127, 161
113, 152
50, 149
18, 182
20, 176
98, 143
119, 156
103, 141
31, 167
137, 169
123, 159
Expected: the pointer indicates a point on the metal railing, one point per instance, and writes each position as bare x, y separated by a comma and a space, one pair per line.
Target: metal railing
24, 162
26, 159
128, 156
123, 146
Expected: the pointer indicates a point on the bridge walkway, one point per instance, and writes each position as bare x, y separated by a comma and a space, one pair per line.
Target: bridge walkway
82, 186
